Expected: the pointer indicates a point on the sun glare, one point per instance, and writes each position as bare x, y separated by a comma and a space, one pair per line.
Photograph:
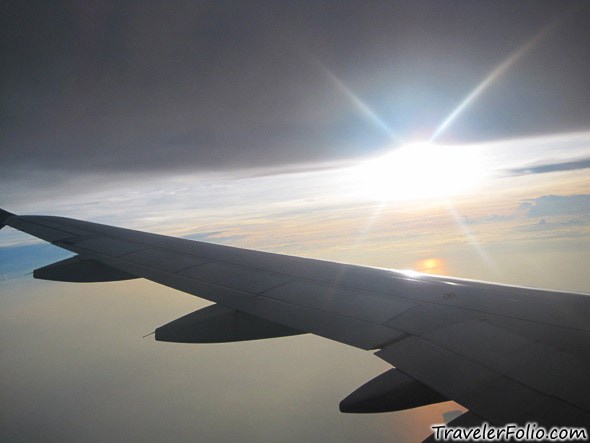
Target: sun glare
420, 171
431, 266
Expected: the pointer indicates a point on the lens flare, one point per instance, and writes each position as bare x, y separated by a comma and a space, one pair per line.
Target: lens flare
498, 71
361, 106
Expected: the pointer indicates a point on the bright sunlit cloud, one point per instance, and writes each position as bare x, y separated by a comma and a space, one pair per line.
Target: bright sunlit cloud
421, 171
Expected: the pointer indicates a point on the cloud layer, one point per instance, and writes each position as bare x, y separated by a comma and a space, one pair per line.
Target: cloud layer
116, 86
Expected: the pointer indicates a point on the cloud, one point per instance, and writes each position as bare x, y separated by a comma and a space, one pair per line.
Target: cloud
204, 86
551, 167
495, 218
550, 205
499, 218
544, 225
203, 235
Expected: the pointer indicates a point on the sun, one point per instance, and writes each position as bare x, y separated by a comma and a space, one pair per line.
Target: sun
431, 265
420, 171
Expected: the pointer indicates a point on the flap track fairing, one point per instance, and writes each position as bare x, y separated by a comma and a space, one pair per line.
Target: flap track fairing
78, 270
218, 324
389, 392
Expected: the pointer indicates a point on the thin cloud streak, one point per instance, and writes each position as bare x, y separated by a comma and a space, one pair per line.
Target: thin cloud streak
573, 165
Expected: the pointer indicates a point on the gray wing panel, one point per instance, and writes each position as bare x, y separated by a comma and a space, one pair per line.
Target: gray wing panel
343, 301
41, 231
549, 359
164, 260
487, 393
246, 279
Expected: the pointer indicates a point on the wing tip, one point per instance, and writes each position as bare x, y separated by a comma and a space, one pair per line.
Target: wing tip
4, 215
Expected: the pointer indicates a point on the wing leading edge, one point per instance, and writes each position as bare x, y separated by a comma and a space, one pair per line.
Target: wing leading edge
508, 354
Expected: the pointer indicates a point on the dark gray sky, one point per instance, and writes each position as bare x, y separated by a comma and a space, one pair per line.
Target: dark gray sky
135, 86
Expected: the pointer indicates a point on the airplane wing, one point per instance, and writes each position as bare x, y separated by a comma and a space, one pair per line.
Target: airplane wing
509, 354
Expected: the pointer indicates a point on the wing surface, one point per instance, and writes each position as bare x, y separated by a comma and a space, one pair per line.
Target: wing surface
509, 354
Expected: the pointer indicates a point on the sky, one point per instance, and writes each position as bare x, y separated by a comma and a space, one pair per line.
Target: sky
441, 136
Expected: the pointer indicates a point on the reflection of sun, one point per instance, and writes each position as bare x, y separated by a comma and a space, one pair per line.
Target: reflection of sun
431, 266
420, 171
